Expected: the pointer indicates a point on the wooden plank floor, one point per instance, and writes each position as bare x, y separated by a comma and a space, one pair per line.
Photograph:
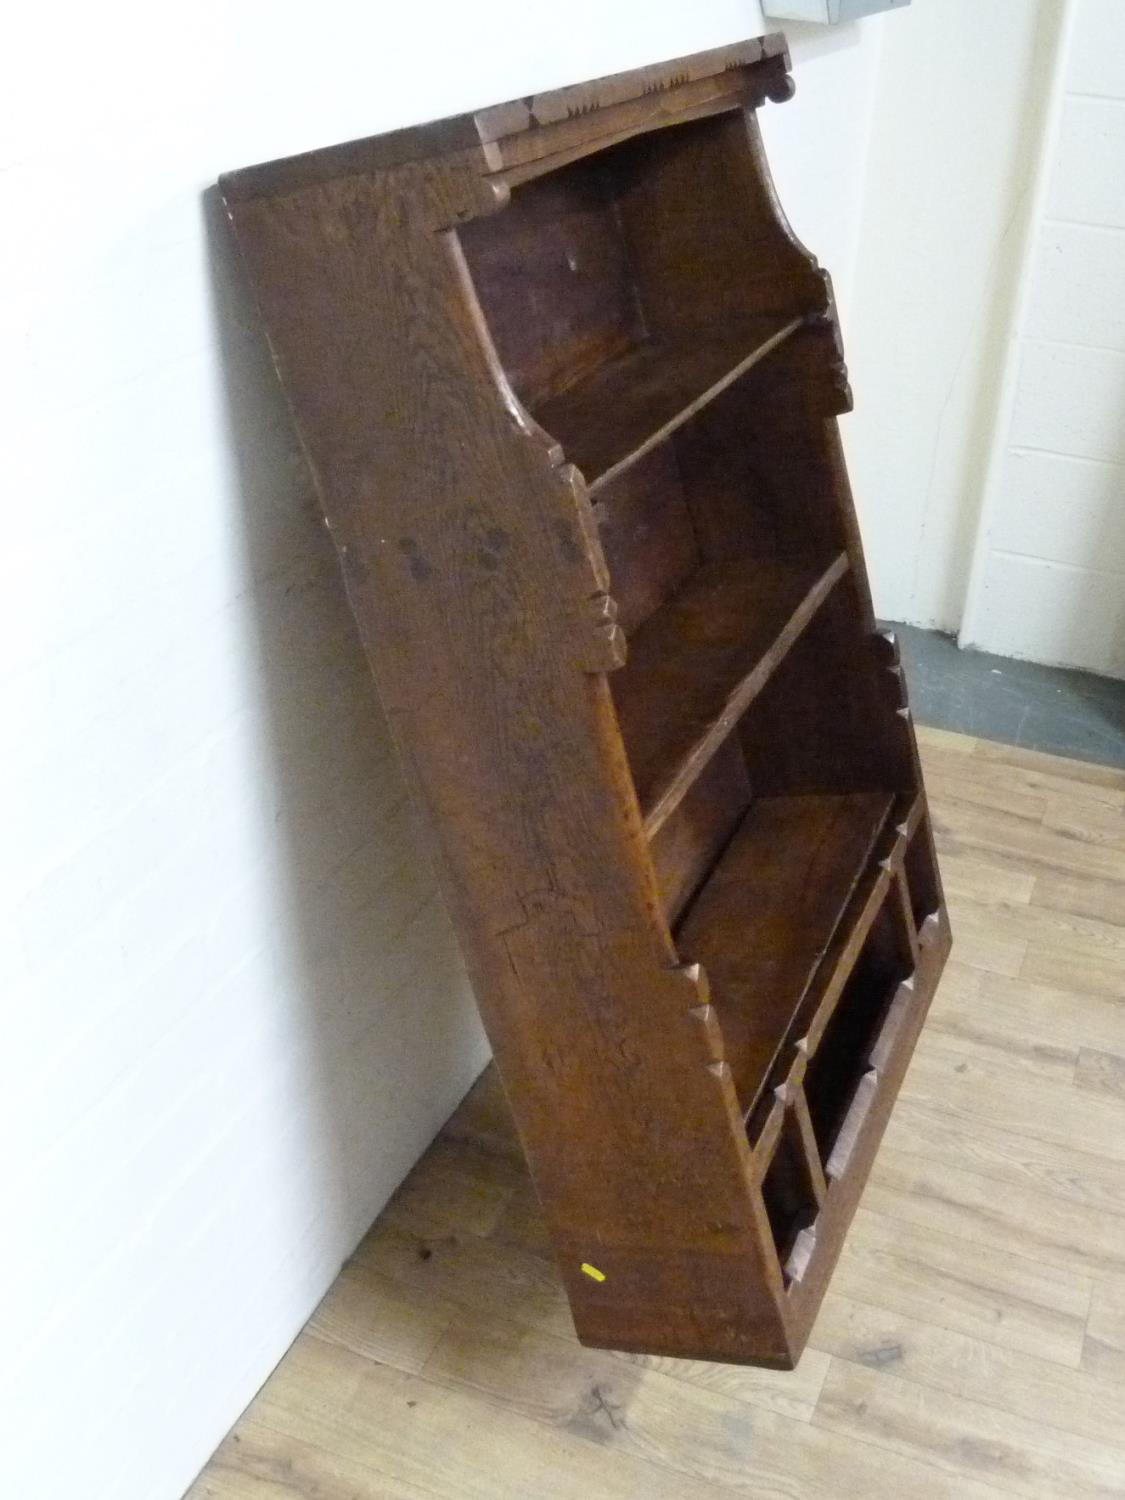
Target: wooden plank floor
973, 1342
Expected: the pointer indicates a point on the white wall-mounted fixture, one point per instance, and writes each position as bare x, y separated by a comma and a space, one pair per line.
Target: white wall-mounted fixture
827, 12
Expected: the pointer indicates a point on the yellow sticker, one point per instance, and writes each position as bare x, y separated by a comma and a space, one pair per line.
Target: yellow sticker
593, 1272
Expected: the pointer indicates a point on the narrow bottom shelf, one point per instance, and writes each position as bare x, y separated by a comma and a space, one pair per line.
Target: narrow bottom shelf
767, 913
816, 1246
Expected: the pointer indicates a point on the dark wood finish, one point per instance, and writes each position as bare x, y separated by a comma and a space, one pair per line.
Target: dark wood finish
766, 917
697, 663
555, 282
633, 402
568, 386
691, 837
647, 534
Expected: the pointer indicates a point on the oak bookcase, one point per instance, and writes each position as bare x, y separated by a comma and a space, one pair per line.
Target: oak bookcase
568, 384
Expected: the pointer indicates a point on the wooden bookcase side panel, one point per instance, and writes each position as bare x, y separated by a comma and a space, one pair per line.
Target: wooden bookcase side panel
461, 549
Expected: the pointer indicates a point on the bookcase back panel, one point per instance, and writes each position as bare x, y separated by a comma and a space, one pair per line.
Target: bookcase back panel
686, 846
554, 278
702, 248
746, 476
658, 238
759, 466
826, 722
647, 535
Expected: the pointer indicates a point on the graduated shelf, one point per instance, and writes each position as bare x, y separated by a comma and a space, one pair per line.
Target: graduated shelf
768, 912
632, 402
694, 666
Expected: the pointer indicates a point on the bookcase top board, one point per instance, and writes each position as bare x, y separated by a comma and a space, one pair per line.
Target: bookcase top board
555, 125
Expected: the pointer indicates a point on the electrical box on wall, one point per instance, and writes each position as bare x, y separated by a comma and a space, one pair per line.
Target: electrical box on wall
827, 12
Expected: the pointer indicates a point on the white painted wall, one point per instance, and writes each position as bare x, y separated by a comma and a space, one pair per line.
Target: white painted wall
1049, 583
234, 1011
958, 118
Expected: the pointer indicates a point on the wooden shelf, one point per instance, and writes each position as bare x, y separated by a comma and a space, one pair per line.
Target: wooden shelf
769, 911
616, 415
867, 901
695, 665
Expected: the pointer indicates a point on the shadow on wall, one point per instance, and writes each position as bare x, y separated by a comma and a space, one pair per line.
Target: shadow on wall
375, 1036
